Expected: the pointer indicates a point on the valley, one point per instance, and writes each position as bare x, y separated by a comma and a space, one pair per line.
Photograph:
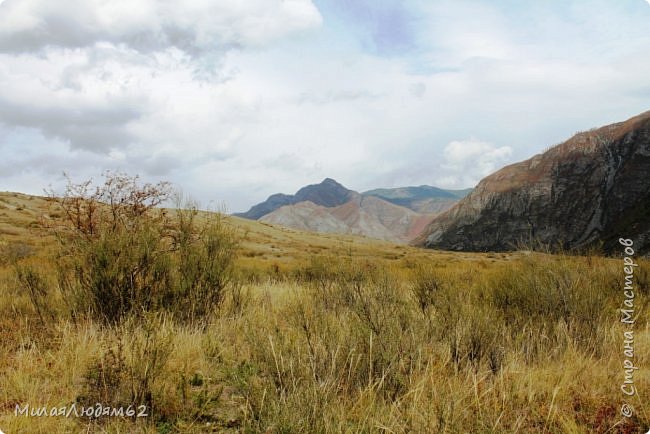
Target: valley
312, 331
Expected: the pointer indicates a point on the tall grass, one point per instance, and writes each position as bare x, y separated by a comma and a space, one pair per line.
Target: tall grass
527, 344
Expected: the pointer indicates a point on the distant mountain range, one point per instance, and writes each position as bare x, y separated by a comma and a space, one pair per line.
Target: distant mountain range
422, 199
590, 190
398, 214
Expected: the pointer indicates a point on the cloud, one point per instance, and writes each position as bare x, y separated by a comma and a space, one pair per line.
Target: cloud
63, 97
151, 25
472, 150
468, 161
236, 100
418, 89
123, 76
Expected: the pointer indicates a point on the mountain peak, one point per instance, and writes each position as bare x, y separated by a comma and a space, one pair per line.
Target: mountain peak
330, 181
328, 193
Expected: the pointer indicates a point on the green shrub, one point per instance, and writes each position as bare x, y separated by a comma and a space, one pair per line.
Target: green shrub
205, 255
120, 254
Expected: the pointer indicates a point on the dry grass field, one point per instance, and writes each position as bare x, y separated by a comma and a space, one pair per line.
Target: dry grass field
312, 334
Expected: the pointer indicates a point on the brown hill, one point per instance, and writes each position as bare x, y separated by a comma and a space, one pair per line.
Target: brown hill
369, 216
265, 248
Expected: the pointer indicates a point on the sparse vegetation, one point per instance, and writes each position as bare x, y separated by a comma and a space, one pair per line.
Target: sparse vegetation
120, 255
157, 308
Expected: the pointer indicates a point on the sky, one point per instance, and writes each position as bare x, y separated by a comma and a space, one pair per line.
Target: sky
234, 100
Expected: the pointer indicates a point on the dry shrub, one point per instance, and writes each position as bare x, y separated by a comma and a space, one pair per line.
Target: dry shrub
552, 297
119, 254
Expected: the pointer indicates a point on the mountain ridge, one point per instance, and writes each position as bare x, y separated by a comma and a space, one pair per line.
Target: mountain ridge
588, 190
330, 193
369, 216
327, 193
423, 198
396, 215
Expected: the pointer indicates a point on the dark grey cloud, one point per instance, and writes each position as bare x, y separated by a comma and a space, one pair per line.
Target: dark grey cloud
96, 128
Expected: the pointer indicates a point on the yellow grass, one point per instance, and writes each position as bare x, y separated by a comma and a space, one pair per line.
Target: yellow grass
345, 351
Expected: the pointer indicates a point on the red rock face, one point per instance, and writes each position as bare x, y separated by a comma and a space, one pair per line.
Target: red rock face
593, 188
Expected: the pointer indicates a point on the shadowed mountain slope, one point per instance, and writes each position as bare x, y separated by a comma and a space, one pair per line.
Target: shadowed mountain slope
594, 188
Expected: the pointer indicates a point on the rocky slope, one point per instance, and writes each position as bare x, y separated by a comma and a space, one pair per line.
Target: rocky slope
369, 216
389, 214
591, 189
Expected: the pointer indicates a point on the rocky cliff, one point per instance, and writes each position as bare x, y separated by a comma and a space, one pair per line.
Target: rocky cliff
591, 189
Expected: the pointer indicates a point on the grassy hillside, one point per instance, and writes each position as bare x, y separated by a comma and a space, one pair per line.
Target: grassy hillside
325, 333
265, 248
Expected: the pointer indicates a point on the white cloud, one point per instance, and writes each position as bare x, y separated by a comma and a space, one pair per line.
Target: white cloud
64, 98
468, 161
151, 25
234, 100
107, 100
463, 151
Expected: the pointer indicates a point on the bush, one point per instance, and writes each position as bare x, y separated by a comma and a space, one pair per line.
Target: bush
119, 253
205, 262
550, 296
427, 282
36, 287
11, 253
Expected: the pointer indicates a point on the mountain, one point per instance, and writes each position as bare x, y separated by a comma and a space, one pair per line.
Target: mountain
363, 215
328, 193
423, 199
269, 205
397, 214
592, 189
